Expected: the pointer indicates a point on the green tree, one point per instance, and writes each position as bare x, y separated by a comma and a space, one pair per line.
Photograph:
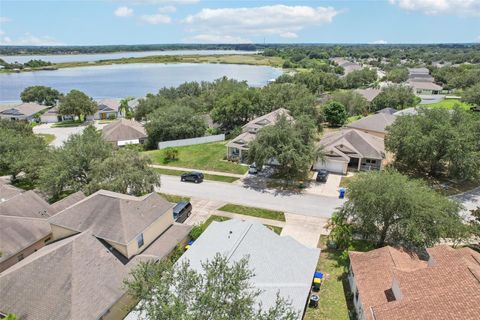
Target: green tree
396, 96
21, 150
125, 109
175, 122
40, 94
290, 145
398, 75
472, 95
335, 114
437, 143
237, 108
77, 103
125, 171
360, 78
354, 102
388, 207
220, 290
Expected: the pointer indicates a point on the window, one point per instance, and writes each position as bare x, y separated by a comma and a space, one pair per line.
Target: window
371, 161
140, 240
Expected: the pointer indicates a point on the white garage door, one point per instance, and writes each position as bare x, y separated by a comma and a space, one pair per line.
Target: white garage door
332, 166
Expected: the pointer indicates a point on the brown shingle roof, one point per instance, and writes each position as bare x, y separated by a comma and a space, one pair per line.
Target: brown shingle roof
366, 145
8, 191
26, 204
448, 287
113, 216
124, 129
24, 109
376, 122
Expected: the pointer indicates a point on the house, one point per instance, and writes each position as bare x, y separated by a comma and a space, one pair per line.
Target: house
123, 131
375, 124
369, 94
52, 116
8, 191
23, 223
347, 65
424, 87
238, 147
96, 243
351, 149
22, 111
390, 283
419, 74
268, 254
106, 109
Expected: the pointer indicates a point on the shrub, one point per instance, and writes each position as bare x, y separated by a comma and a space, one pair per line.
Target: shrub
170, 154
197, 231
112, 116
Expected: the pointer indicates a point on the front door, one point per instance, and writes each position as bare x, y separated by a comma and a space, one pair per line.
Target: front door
103, 116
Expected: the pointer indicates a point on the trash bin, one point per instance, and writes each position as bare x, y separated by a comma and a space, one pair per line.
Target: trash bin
313, 303
316, 284
342, 193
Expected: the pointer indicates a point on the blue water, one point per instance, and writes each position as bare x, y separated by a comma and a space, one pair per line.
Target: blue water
57, 58
119, 81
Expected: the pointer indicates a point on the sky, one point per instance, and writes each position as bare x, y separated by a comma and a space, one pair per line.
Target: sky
105, 22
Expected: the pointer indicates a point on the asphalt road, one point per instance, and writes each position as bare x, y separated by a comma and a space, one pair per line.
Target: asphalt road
303, 204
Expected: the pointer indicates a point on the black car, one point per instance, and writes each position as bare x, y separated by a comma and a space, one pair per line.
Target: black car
196, 177
182, 211
322, 175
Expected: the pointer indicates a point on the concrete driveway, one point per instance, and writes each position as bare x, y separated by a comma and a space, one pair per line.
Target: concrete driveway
329, 188
319, 206
62, 134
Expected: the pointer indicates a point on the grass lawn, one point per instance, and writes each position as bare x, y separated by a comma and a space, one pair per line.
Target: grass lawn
448, 104
47, 137
207, 156
275, 229
344, 181
212, 177
333, 299
173, 198
67, 123
254, 212
353, 118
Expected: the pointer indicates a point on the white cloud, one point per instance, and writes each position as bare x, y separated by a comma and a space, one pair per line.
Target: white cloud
280, 20
379, 42
156, 18
167, 9
2, 32
438, 7
214, 38
5, 19
123, 12
179, 2
29, 39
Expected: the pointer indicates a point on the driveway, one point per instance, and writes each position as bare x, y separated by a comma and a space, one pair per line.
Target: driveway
470, 199
329, 188
304, 204
62, 134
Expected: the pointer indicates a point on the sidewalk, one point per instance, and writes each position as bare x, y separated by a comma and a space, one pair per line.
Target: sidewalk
215, 173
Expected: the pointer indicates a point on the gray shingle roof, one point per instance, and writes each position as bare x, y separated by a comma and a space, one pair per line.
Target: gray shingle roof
18, 233
8, 191
369, 94
124, 129
367, 145
113, 216
26, 204
108, 105
66, 202
280, 264
24, 109
375, 122
387, 110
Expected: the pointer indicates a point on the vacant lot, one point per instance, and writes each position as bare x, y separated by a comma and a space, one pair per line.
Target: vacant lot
207, 156
254, 212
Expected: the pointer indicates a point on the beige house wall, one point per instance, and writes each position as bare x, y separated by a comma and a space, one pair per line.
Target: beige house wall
24, 253
61, 232
151, 233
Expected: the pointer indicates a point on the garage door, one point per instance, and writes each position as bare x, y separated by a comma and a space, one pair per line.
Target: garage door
332, 166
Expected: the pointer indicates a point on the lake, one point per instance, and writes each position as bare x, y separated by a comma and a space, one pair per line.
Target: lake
137, 79
58, 58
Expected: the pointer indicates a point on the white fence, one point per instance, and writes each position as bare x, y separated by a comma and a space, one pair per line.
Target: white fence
192, 141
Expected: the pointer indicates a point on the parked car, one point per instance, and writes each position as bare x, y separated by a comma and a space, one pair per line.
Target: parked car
322, 175
252, 169
196, 177
182, 211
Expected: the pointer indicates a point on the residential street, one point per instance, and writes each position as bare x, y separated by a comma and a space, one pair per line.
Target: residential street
303, 204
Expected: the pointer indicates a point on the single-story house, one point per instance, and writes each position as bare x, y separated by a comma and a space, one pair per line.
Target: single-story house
419, 74
351, 149
123, 131
52, 116
375, 124
269, 255
97, 242
24, 228
425, 87
393, 284
22, 111
238, 147
348, 66
369, 94
106, 109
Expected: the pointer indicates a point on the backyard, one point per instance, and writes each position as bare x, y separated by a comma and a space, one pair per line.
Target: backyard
207, 156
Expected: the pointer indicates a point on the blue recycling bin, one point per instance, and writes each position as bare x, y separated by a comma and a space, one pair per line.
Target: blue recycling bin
342, 193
